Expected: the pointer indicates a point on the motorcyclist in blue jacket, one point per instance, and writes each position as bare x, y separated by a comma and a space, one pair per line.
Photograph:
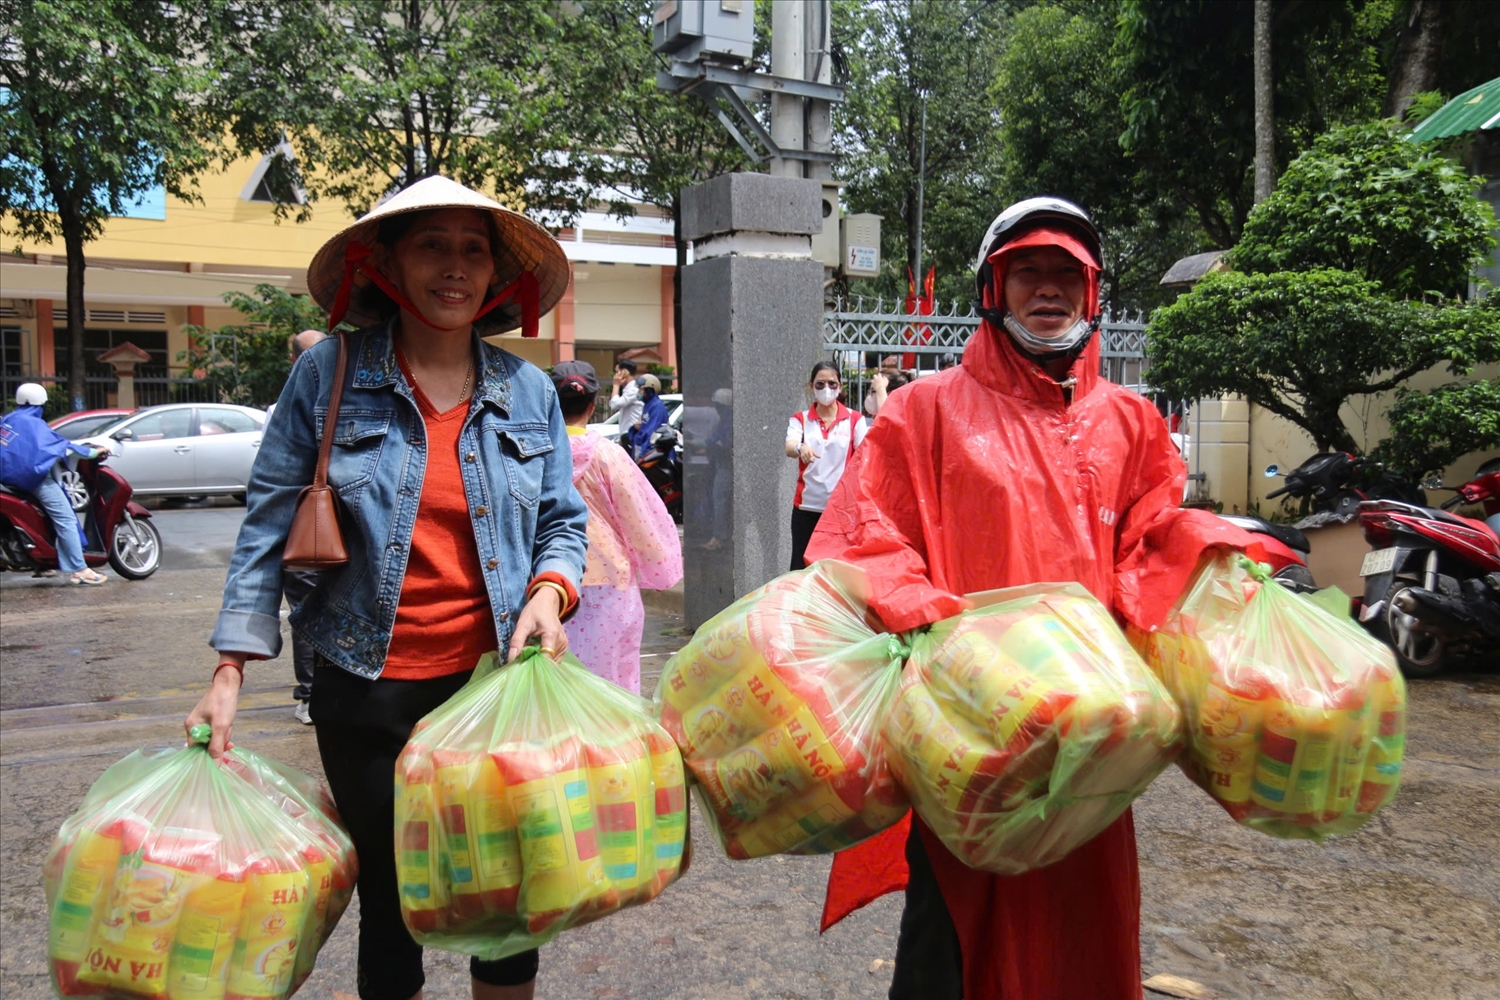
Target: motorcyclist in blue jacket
29, 450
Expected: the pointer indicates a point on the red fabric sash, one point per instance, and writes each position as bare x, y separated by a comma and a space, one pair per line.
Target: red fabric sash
359, 257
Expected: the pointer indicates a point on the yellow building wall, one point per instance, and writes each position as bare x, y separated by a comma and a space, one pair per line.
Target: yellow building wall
617, 305
1275, 440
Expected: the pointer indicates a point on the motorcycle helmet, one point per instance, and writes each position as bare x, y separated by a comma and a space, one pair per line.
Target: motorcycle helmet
30, 394
649, 382
1011, 225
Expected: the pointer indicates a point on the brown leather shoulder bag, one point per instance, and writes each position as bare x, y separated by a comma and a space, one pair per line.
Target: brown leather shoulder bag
316, 540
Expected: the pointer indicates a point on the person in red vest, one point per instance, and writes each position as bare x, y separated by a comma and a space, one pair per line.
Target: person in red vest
1020, 465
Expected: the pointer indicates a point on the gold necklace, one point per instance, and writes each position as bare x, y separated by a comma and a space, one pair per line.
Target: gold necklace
463, 393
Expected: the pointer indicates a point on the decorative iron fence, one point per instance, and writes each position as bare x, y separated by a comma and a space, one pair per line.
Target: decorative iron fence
862, 332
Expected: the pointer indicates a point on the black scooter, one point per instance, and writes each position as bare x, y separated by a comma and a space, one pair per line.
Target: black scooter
662, 464
1337, 482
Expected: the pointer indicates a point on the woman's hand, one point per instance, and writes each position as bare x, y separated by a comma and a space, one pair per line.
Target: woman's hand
540, 618
217, 708
806, 453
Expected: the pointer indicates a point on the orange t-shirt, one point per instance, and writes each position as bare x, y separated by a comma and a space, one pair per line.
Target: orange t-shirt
443, 621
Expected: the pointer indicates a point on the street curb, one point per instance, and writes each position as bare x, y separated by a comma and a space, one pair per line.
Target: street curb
664, 602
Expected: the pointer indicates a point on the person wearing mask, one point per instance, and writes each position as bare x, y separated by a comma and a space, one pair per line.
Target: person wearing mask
625, 397
297, 584
1022, 465
29, 453
653, 415
633, 541
821, 439
464, 532
882, 384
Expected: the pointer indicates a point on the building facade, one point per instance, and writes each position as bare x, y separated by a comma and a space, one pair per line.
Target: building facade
170, 265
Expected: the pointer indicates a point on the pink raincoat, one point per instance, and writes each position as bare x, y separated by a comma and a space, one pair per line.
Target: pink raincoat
985, 476
633, 543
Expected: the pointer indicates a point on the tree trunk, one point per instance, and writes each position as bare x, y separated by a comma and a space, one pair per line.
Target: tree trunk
1265, 110
1414, 68
77, 366
680, 245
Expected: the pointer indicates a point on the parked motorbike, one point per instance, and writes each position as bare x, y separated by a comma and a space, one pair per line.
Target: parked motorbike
116, 529
662, 464
1286, 547
1432, 579
1338, 481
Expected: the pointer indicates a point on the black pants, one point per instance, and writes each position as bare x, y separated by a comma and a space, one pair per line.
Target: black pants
928, 959
296, 584
362, 726
804, 523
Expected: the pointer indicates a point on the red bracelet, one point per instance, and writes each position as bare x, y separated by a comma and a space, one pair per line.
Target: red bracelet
233, 666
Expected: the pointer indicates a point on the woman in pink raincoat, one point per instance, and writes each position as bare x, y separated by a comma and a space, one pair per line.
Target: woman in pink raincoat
633, 541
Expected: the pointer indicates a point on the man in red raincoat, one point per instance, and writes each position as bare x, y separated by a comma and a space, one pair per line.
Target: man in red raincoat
1021, 465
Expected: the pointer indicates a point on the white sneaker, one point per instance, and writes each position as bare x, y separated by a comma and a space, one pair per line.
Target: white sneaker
302, 715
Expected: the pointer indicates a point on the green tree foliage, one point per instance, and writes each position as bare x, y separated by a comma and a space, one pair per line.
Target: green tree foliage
378, 94
1366, 200
897, 52
1333, 309
99, 103
1432, 430
1057, 92
248, 362
1188, 100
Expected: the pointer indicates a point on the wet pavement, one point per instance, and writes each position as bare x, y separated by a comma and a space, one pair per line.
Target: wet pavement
1407, 907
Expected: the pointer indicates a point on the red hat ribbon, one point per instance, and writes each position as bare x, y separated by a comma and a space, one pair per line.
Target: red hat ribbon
359, 257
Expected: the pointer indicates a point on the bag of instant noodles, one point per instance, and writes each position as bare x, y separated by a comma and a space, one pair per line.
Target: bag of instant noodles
183, 877
537, 798
776, 705
1025, 727
1295, 717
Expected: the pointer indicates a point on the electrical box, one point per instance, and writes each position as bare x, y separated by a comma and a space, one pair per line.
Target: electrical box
716, 31
859, 245
825, 245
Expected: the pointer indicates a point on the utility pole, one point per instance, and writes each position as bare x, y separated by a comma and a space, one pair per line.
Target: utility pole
921, 196
818, 59
789, 61
1265, 108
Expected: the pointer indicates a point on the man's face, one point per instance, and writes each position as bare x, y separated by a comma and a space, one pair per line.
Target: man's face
1046, 289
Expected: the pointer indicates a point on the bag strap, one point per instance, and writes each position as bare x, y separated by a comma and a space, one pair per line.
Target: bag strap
325, 446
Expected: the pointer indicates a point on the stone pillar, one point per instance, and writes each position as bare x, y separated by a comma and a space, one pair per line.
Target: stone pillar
752, 307
124, 357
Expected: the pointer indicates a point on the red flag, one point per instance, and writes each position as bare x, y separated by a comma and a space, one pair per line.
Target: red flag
918, 306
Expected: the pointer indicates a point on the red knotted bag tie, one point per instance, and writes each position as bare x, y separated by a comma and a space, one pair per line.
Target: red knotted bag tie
359, 257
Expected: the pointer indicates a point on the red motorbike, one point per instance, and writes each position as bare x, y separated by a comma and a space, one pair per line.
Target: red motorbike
1432, 581
116, 529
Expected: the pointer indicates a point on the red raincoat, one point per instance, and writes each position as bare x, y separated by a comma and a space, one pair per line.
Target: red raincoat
985, 476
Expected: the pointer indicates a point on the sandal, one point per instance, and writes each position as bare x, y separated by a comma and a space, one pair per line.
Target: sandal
87, 578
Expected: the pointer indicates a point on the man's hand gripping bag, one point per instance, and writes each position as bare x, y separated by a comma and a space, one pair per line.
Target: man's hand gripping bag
776, 705
1296, 718
184, 878
1025, 727
539, 797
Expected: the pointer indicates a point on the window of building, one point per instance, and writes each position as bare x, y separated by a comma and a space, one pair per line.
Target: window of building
10, 350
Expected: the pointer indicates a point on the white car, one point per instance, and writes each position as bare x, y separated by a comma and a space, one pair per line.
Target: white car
185, 449
611, 427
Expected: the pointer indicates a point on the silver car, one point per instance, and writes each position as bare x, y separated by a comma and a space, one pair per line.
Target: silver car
185, 449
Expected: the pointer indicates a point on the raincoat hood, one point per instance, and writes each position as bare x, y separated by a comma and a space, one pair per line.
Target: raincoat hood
1081, 333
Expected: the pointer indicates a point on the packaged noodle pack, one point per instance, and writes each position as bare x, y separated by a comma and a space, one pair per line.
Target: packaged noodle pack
1025, 727
776, 705
539, 797
189, 879
1296, 718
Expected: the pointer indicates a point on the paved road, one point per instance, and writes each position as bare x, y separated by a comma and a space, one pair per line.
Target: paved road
1408, 907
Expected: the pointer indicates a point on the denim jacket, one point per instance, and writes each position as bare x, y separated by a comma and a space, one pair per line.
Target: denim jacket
518, 476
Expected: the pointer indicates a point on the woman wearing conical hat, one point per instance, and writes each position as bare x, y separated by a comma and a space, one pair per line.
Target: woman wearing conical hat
463, 529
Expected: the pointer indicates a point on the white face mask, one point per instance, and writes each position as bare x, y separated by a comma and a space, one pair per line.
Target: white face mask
825, 397
1060, 344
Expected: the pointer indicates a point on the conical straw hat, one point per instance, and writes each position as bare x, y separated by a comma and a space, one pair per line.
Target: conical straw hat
524, 246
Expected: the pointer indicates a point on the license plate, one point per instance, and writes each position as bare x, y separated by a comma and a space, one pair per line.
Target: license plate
1377, 562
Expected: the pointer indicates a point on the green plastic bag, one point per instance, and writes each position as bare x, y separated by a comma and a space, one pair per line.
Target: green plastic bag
539, 797
183, 877
1296, 718
1025, 727
776, 705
